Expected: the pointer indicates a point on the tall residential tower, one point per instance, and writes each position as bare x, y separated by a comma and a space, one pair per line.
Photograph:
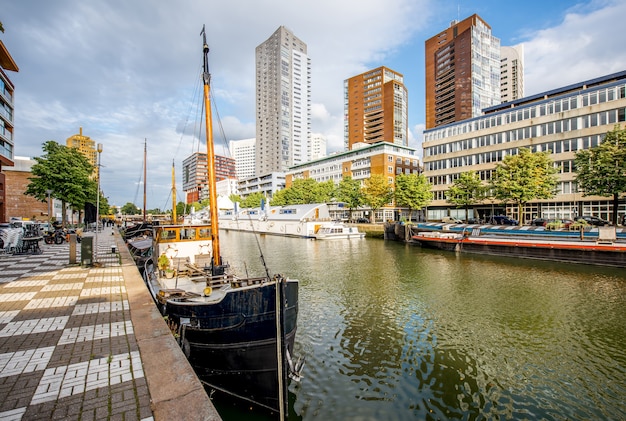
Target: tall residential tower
512, 73
376, 108
462, 72
283, 103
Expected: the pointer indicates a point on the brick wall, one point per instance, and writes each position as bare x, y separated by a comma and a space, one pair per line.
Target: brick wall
19, 204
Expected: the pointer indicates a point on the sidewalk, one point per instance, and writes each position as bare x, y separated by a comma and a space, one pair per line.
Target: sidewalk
88, 343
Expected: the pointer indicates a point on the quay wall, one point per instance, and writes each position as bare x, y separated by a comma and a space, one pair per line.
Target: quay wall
175, 391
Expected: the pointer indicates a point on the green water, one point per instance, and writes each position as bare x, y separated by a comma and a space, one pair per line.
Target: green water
396, 332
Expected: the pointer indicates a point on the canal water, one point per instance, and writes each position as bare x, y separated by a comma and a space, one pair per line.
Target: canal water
396, 332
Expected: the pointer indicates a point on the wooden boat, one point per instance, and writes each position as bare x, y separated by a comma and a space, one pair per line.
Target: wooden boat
237, 332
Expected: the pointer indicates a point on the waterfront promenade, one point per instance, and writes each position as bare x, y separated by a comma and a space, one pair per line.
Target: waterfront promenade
87, 342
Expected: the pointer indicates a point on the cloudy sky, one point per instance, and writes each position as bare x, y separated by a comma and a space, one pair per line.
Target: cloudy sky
127, 71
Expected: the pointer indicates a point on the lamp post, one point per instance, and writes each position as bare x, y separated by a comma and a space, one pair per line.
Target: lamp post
97, 204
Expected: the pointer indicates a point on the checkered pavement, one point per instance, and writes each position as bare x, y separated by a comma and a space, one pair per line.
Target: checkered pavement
67, 348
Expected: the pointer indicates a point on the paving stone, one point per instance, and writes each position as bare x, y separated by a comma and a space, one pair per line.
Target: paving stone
67, 344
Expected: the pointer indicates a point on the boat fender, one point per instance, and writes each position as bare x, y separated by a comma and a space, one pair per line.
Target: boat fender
282, 228
207, 291
298, 229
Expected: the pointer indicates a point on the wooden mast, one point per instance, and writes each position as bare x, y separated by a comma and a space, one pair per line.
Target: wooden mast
173, 194
206, 77
145, 153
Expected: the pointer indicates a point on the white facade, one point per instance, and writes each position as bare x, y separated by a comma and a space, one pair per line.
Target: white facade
318, 146
283, 103
267, 184
511, 73
227, 187
244, 154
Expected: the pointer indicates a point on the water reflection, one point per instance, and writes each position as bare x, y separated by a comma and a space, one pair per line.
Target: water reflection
396, 332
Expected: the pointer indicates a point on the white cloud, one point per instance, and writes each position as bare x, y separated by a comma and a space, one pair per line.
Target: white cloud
585, 45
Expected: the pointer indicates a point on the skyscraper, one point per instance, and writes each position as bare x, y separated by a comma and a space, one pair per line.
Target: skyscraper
462, 72
283, 103
376, 107
511, 73
86, 146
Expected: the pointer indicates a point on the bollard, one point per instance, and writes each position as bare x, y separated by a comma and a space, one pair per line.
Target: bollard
72, 241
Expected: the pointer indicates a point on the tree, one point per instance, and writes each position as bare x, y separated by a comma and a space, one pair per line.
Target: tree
130, 209
349, 192
377, 193
304, 191
466, 191
601, 171
66, 173
412, 191
524, 177
253, 200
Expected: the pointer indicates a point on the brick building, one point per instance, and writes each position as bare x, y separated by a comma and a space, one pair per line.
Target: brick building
18, 204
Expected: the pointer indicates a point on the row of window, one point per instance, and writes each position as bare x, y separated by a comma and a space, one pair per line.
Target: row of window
546, 107
559, 146
590, 120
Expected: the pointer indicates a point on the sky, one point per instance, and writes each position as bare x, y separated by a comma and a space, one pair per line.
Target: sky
128, 72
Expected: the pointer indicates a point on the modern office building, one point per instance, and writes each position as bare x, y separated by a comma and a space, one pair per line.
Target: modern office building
195, 182
283, 103
376, 108
7, 109
511, 73
244, 153
563, 121
462, 72
86, 146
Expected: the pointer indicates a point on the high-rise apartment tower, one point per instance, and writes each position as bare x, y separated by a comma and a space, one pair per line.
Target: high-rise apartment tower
376, 108
511, 73
462, 72
283, 103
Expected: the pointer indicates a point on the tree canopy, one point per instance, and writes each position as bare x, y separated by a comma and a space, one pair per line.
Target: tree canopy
253, 200
412, 191
349, 192
66, 173
601, 171
466, 191
524, 177
377, 193
130, 209
304, 191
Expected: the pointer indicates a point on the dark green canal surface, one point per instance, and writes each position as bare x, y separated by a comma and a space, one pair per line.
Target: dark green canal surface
395, 332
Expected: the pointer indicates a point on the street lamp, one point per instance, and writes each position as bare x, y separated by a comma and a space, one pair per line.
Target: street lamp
98, 202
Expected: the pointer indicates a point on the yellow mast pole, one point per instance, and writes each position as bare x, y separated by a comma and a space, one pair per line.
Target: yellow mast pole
173, 194
206, 76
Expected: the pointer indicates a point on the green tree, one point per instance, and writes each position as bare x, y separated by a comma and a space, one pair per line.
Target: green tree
466, 191
181, 209
304, 191
349, 192
130, 209
601, 171
66, 173
412, 191
524, 177
253, 200
377, 193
